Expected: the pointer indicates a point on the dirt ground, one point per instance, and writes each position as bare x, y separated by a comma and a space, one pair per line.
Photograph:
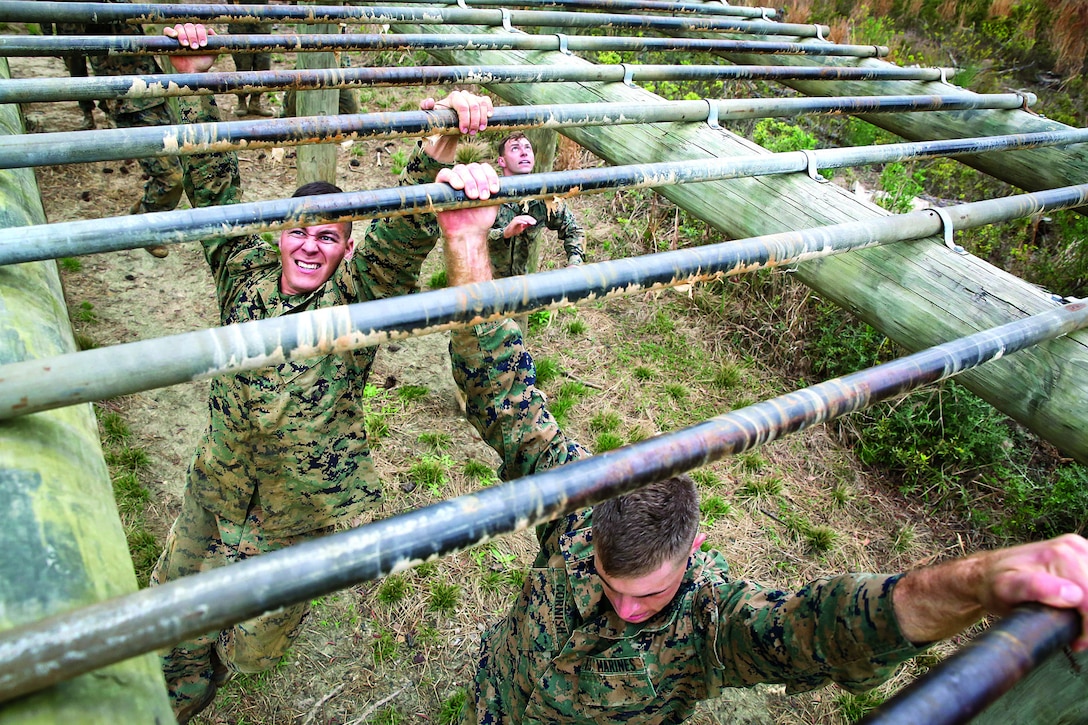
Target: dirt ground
366, 655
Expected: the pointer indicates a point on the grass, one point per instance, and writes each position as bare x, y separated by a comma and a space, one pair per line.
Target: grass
431, 473
393, 589
128, 465
444, 598
547, 370
479, 472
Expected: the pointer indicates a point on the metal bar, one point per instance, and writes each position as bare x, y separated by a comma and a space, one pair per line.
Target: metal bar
698, 8
973, 678
80, 12
54, 649
38, 90
65, 239
121, 369
49, 45
70, 147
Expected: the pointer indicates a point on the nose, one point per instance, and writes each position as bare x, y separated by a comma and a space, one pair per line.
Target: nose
627, 607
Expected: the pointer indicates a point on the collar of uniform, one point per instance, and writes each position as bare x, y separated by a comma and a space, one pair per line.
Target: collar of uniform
576, 546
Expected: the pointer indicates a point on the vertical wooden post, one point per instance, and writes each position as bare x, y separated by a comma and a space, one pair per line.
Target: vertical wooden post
317, 162
62, 540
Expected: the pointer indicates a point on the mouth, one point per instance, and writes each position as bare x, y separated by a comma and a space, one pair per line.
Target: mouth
307, 266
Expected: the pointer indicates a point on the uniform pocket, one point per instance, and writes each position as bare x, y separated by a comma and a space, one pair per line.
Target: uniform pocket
614, 687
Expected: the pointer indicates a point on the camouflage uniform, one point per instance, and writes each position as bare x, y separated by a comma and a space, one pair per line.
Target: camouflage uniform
246, 62
164, 186
562, 655
285, 457
510, 257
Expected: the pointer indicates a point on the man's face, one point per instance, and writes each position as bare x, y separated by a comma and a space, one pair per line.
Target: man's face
517, 157
636, 599
309, 256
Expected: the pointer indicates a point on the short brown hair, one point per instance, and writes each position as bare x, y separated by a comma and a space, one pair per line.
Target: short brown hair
318, 188
500, 147
635, 534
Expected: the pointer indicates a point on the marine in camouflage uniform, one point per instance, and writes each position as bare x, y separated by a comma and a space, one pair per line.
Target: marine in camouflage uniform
285, 457
510, 256
165, 175
563, 655
512, 243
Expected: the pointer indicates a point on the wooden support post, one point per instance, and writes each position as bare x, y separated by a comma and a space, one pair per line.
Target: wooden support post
63, 545
318, 162
919, 294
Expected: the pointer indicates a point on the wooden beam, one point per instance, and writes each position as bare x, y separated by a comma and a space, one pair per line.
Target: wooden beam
919, 294
317, 162
63, 544
1028, 170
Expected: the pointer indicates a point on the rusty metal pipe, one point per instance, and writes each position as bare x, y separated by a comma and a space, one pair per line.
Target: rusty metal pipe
38, 90
87, 12
39, 45
67, 147
965, 684
43, 653
32, 386
664, 6
65, 239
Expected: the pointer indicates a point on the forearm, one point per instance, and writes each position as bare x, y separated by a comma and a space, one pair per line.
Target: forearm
939, 601
467, 259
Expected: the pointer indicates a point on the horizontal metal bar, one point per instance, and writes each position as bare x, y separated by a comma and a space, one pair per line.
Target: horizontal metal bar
665, 6
61, 647
65, 239
49, 45
81, 12
962, 686
71, 147
37, 90
32, 386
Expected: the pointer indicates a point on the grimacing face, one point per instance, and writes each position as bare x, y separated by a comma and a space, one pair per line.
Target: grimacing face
637, 599
310, 255
517, 157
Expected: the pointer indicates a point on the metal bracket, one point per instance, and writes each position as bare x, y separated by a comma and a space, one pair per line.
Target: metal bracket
766, 15
1023, 101
724, 2
462, 4
812, 167
506, 20
944, 76
628, 75
563, 44
712, 114
820, 32
948, 229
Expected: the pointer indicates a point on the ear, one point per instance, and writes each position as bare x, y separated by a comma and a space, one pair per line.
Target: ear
349, 249
500, 162
699, 539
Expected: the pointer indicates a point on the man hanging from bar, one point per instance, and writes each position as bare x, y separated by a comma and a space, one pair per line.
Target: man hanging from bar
517, 230
285, 457
625, 619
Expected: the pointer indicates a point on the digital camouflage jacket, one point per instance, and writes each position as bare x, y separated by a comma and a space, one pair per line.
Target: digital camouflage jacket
510, 257
562, 655
296, 429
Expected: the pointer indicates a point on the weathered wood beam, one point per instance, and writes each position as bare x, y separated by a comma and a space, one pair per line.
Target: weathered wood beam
317, 163
63, 545
919, 293
1030, 170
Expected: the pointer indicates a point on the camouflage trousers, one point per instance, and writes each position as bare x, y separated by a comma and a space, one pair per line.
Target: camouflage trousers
199, 541
207, 179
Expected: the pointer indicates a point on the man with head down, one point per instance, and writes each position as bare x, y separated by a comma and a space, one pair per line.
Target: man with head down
624, 619
285, 456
